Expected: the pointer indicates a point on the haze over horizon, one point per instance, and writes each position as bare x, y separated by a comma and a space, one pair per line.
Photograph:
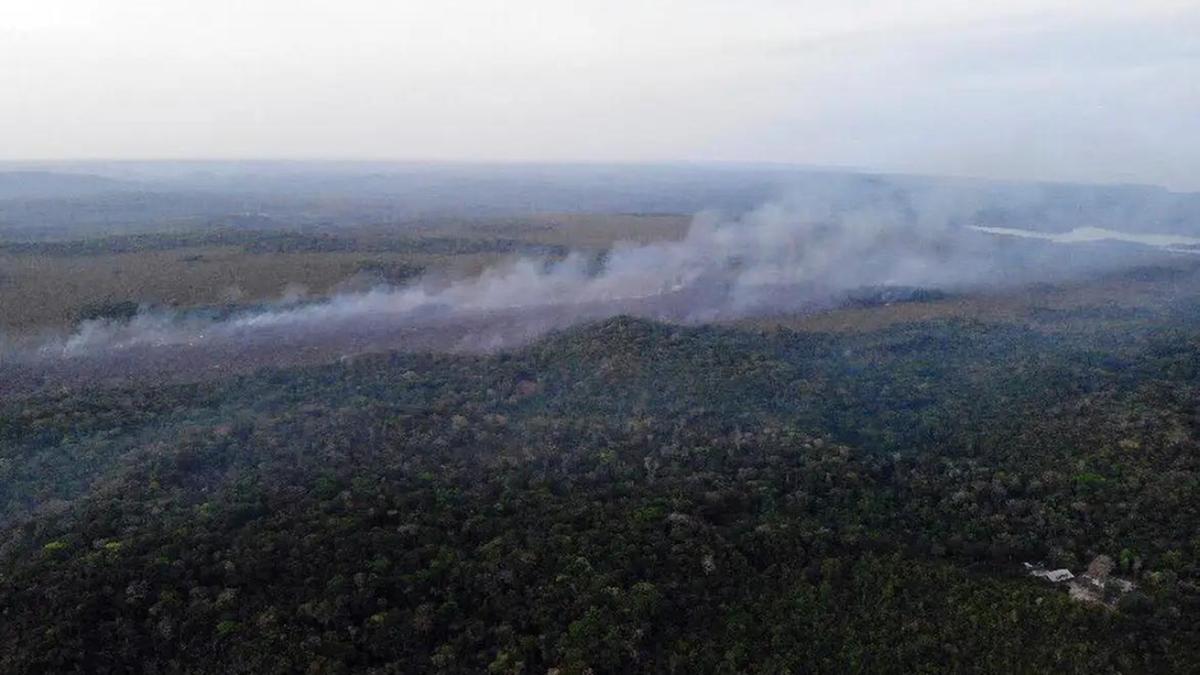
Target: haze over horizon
1062, 91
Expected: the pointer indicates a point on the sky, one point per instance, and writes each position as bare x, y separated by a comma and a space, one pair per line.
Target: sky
1093, 91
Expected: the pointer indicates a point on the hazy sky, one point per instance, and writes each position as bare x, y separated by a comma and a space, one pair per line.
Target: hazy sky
1087, 90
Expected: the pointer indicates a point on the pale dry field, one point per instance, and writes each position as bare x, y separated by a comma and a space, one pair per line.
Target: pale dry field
39, 292
1041, 306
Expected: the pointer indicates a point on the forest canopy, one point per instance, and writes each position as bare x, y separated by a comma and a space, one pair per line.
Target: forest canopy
626, 495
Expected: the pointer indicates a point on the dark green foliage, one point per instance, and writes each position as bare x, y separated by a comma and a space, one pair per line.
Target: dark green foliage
395, 273
276, 241
627, 496
122, 310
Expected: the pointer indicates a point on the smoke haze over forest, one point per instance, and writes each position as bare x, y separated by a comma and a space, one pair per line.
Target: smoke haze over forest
809, 248
600, 336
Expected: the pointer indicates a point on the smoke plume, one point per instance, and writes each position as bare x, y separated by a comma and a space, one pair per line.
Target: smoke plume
794, 254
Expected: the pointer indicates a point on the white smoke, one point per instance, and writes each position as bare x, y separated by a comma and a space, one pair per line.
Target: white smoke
777, 257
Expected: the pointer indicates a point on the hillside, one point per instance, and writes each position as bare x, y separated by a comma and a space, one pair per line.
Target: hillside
624, 496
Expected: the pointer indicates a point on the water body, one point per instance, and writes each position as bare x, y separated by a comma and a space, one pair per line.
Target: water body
1082, 235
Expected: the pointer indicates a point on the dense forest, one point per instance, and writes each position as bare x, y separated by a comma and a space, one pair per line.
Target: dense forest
624, 496
599, 337
274, 241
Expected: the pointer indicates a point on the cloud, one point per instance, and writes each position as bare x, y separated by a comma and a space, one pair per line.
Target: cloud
1047, 90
